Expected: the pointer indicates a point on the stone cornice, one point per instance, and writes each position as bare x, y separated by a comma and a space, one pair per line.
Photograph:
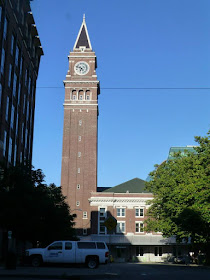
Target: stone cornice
119, 200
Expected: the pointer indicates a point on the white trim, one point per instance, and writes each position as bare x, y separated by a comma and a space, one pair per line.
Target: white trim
99, 207
79, 87
84, 231
120, 231
76, 81
72, 104
138, 208
81, 56
83, 24
84, 215
118, 201
121, 210
139, 222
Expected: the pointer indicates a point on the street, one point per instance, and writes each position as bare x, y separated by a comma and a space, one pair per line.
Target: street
123, 271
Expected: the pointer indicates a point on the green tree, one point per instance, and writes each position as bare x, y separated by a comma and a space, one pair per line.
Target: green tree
31, 209
181, 189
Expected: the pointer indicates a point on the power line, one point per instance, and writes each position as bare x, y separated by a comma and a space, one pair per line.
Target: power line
142, 88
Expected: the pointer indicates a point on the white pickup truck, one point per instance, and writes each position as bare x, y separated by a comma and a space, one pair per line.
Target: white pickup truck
89, 252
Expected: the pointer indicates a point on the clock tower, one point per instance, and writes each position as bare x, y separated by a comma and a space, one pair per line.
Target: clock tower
79, 154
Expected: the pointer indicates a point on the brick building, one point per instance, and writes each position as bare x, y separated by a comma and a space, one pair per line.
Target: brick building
126, 203
79, 157
20, 52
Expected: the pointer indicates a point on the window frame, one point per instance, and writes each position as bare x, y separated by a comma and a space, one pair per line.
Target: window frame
119, 229
84, 215
121, 212
139, 210
139, 227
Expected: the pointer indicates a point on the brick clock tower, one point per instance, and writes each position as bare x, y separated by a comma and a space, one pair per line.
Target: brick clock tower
79, 155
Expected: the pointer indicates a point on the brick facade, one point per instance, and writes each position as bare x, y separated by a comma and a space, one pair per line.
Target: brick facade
79, 156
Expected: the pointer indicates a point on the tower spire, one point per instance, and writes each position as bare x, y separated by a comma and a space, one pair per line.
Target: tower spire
83, 39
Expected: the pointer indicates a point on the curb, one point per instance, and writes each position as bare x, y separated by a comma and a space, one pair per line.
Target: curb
62, 276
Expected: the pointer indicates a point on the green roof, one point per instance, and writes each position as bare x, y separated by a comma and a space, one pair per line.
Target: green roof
135, 185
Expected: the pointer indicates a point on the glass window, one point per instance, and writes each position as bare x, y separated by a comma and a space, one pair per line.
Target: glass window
7, 109
139, 227
68, 245
18, 5
16, 132
77, 203
139, 212
100, 245
102, 229
10, 75
120, 227
0, 94
85, 215
5, 143
17, 55
27, 112
26, 137
80, 122
79, 138
80, 97
19, 91
78, 170
10, 150
12, 44
14, 84
26, 77
78, 186
22, 16
158, 251
55, 246
22, 132
29, 85
15, 154
102, 212
12, 116
5, 28
21, 65
0, 13
139, 251
84, 231
86, 245
120, 212
2, 60
24, 103
88, 97
79, 154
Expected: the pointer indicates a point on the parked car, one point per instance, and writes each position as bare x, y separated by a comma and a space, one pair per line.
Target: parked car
89, 252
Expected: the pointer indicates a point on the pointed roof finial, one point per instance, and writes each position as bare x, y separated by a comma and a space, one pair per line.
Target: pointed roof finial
83, 39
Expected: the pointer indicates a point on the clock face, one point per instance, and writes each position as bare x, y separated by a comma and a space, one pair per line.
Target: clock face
81, 68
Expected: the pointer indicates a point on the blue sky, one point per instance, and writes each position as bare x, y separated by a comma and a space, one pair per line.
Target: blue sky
139, 44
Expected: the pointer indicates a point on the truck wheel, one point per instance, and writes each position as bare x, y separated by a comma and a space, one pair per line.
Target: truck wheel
36, 261
92, 263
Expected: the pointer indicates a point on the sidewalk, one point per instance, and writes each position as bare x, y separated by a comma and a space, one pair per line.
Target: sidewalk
68, 272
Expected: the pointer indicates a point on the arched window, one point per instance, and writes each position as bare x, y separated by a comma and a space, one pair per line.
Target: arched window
74, 95
87, 95
81, 94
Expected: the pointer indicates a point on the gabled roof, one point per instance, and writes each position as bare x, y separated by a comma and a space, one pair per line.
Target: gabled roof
83, 39
135, 185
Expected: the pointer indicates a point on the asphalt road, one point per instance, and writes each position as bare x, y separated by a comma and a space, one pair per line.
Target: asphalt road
123, 271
